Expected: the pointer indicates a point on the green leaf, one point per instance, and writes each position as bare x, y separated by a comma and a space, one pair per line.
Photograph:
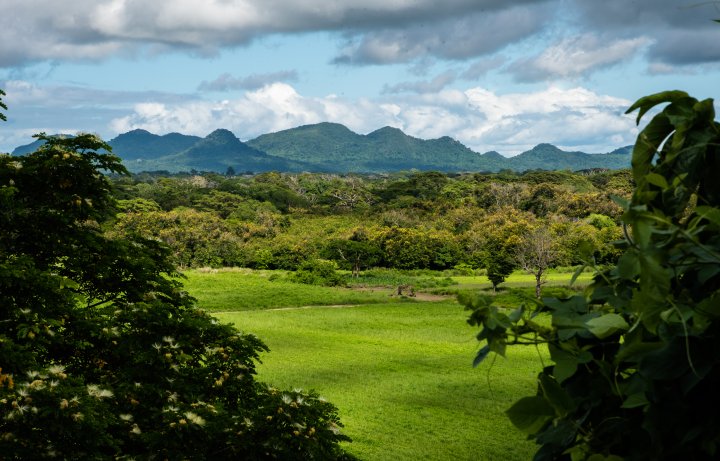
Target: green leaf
599, 457
530, 414
648, 102
710, 213
565, 363
606, 325
657, 180
557, 396
628, 266
635, 400
482, 353
647, 145
515, 315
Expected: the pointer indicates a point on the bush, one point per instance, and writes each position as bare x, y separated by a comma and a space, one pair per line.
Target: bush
318, 272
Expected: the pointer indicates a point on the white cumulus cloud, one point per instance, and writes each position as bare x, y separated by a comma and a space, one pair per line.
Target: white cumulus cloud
574, 118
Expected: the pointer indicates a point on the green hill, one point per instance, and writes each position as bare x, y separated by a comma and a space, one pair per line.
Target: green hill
331, 147
216, 152
141, 144
334, 147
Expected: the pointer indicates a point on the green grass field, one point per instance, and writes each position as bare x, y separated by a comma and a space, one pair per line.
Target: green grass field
238, 289
400, 373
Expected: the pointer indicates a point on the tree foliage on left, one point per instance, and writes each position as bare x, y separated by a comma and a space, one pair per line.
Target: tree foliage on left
103, 355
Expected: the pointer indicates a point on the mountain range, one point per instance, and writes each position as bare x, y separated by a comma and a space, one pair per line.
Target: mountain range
331, 147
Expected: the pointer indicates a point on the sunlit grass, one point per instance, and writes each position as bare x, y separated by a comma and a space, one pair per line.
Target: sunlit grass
400, 373
401, 377
523, 279
249, 290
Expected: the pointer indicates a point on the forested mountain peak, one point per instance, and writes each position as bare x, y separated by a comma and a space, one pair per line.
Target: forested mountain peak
141, 144
221, 136
386, 131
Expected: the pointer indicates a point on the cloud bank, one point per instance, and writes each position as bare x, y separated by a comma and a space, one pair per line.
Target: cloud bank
671, 33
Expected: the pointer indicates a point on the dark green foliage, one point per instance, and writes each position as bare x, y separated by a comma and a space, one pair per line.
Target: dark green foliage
635, 363
499, 265
356, 253
318, 272
103, 355
413, 249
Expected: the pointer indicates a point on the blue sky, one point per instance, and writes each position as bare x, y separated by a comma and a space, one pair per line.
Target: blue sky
494, 74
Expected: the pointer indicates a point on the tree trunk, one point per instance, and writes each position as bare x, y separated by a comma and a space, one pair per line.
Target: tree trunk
538, 283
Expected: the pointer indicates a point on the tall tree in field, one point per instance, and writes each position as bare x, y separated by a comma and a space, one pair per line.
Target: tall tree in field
535, 254
103, 355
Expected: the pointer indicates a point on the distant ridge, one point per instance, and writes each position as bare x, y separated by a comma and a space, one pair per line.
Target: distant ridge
332, 147
137, 144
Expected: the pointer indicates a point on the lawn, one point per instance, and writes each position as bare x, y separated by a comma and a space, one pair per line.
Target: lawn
401, 376
400, 373
244, 289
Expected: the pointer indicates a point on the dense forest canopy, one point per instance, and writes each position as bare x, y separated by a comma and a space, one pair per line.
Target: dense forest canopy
420, 220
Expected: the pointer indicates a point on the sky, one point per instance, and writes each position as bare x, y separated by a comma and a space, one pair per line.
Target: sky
502, 75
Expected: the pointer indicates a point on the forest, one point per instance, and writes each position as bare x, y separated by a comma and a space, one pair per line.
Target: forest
415, 220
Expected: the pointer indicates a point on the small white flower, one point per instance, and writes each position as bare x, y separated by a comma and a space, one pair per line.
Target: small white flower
22, 409
286, 399
126, 417
157, 346
95, 391
56, 369
194, 418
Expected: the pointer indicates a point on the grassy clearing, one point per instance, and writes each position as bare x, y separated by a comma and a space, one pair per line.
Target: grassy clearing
401, 376
521, 279
245, 289
400, 373
228, 289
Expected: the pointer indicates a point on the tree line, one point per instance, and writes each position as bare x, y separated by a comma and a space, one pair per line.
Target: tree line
417, 220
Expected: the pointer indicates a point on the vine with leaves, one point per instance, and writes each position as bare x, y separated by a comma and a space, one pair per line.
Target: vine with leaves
635, 360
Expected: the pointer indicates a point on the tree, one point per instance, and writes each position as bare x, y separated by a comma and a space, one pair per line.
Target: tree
535, 254
635, 362
494, 241
103, 355
356, 252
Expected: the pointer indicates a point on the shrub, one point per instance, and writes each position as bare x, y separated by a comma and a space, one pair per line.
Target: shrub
318, 272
